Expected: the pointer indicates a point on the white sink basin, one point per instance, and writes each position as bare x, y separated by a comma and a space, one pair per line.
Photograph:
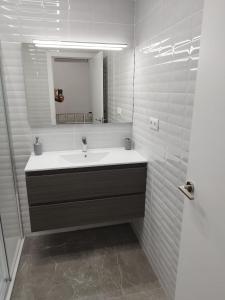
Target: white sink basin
84, 157
55, 160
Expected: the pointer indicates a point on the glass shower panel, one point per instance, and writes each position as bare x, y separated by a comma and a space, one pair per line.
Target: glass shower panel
4, 269
9, 213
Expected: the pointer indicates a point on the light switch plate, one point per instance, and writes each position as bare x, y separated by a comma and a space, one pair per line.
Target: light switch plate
154, 124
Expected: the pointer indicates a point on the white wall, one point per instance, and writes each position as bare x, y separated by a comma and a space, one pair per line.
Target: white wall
35, 68
167, 50
8, 207
73, 77
202, 255
96, 86
21, 132
80, 20
120, 75
67, 137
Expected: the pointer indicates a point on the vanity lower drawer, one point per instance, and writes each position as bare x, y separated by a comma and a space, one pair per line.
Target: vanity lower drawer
45, 217
68, 186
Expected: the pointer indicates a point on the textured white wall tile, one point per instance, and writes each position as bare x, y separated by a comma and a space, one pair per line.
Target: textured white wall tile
69, 137
36, 84
21, 135
81, 20
167, 50
8, 206
120, 70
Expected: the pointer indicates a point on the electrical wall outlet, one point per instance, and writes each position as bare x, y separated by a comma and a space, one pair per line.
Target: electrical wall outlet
154, 124
119, 110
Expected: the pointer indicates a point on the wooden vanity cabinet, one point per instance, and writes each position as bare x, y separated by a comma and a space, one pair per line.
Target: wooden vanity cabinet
85, 196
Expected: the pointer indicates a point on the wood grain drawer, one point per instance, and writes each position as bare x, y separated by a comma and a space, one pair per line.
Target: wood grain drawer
81, 185
45, 217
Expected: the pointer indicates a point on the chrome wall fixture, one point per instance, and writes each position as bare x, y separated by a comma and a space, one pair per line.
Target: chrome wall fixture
188, 190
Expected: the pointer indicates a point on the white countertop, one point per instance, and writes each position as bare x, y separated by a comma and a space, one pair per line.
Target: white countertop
56, 159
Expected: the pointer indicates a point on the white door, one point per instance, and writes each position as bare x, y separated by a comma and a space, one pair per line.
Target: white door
201, 271
96, 83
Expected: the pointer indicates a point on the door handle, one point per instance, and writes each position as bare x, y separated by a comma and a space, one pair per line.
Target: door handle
188, 190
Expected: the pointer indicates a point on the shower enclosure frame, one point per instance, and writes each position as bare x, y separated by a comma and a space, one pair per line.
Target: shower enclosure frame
10, 274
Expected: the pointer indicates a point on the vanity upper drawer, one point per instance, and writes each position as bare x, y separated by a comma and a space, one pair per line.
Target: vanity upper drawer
85, 184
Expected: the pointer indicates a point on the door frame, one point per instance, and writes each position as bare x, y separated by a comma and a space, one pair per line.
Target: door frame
51, 55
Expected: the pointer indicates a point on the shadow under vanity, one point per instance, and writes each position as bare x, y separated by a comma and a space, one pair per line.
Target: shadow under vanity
64, 193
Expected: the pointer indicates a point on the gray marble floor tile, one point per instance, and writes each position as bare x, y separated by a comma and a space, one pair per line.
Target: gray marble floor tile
98, 264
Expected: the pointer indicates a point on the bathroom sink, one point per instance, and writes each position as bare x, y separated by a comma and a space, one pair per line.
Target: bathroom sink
84, 157
55, 160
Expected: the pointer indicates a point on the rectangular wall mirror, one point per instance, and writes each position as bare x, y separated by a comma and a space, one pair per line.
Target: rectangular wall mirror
78, 86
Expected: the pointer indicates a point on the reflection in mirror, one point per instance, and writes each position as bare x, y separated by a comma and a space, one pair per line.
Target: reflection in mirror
78, 86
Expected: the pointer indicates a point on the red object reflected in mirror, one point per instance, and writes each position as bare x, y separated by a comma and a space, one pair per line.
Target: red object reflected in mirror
59, 95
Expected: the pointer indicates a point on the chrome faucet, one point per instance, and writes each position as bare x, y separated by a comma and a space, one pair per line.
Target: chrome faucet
84, 144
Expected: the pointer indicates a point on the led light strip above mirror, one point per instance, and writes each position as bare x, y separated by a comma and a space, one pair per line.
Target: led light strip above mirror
79, 45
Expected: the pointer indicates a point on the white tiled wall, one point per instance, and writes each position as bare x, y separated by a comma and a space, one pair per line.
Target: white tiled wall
120, 86
80, 20
67, 137
21, 134
36, 84
167, 49
8, 208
